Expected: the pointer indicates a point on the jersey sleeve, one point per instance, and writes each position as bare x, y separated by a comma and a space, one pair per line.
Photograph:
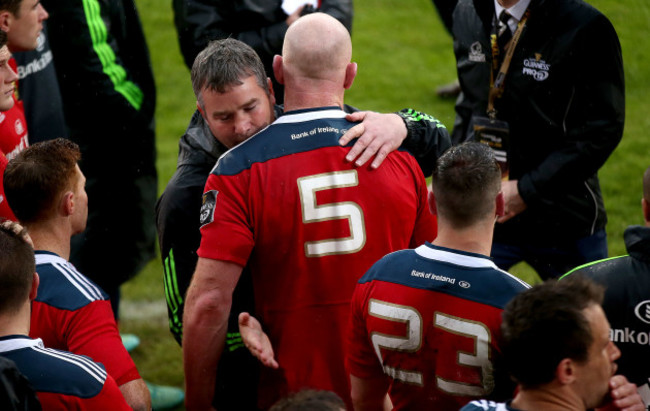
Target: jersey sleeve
427, 138
361, 361
110, 398
92, 331
100, 58
226, 230
426, 225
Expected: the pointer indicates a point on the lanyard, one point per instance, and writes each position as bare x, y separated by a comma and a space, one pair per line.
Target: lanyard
497, 85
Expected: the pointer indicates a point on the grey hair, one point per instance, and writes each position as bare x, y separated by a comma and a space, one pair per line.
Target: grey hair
223, 64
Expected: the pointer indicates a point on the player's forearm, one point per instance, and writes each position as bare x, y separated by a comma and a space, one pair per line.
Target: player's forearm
205, 324
137, 395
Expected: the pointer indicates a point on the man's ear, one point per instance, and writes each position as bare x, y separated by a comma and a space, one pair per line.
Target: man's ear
645, 204
67, 203
565, 372
198, 107
432, 203
33, 291
269, 85
500, 204
350, 74
5, 20
277, 69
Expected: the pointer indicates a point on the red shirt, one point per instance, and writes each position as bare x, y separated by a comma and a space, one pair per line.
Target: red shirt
13, 140
71, 313
428, 321
5, 210
309, 224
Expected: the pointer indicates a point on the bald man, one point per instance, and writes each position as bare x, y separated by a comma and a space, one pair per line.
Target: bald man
316, 222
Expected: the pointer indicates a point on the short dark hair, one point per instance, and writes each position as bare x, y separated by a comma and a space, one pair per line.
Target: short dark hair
37, 176
646, 184
3, 38
546, 324
465, 182
310, 400
17, 268
223, 64
12, 6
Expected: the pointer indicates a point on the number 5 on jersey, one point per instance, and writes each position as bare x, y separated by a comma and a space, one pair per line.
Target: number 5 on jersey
312, 212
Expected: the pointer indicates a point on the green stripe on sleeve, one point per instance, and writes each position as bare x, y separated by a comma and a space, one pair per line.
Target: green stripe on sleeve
172, 293
116, 73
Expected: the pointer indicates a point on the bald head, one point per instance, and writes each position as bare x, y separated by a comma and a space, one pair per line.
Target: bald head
317, 46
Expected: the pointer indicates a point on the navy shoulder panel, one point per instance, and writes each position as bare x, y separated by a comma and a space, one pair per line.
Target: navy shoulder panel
282, 139
59, 372
482, 284
63, 287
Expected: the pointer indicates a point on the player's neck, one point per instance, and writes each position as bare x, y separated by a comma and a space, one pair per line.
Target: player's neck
300, 95
551, 397
16, 323
306, 100
476, 239
51, 237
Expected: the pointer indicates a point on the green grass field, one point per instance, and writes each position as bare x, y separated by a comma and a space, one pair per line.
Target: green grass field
403, 54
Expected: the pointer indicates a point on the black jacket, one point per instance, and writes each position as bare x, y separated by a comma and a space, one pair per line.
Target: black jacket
102, 63
108, 92
260, 24
627, 302
564, 101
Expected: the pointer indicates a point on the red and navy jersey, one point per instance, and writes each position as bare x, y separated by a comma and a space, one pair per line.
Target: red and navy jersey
71, 313
62, 380
13, 130
309, 224
429, 320
13, 140
5, 210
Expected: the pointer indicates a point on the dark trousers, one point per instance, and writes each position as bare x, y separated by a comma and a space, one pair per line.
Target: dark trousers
552, 262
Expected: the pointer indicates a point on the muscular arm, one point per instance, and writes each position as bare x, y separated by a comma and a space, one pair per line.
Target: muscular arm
205, 323
136, 394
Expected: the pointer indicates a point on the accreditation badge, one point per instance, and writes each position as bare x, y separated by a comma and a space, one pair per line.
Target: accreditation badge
495, 133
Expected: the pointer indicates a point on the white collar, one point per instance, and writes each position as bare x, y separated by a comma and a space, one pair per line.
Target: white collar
307, 115
454, 257
48, 258
12, 344
517, 11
